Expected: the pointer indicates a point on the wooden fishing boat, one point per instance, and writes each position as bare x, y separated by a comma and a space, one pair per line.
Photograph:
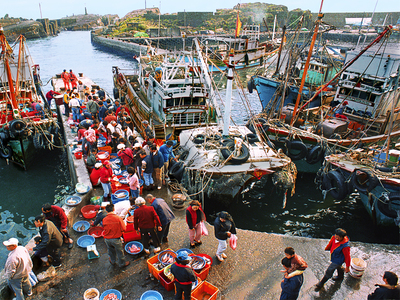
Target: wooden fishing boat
27, 125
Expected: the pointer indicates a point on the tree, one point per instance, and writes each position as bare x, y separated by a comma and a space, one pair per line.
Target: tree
6, 16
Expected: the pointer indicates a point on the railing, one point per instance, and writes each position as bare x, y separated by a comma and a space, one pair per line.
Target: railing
365, 87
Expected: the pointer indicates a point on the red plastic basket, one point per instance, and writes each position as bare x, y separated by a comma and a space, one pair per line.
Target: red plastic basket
203, 273
96, 231
89, 211
152, 269
205, 288
165, 282
78, 155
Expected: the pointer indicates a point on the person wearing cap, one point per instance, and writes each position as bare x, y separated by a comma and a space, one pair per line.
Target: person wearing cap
126, 156
184, 275
134, 184
52, 239
224, 227
167, 151
114, 227
145, 220
339, 247
164, 213
194, 215
95, 174
17, 269
106, 174
59, 218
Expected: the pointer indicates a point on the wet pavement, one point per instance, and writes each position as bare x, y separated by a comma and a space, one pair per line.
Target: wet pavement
252, 271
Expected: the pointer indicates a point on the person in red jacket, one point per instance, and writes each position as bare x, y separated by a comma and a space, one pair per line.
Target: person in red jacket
145, 219
73, 79
105, 179
340, 253
126, 155
57, 215
96, 173
65, 78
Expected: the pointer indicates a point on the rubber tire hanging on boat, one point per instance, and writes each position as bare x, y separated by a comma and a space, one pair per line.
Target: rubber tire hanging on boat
335, 183
17, 127
177, 171
315, 154
252, 138
386, 207
116, 93
251, 86
46, 137
38, 141
300, 147
368, 185
258, 122
199, 139
6, 152
236, 160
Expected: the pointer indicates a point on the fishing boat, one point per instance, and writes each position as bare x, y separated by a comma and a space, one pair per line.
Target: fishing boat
219, 161
374, 173
171, 91
247, 50
366, 91
27, 125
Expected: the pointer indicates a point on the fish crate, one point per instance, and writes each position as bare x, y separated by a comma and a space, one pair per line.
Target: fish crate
165, 282
203, 289
203, 273
153, 270
131, 236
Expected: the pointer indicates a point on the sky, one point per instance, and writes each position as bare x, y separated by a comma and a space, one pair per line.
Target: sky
55, 9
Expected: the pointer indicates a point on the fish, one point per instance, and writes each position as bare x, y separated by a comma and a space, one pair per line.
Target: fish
111, 296
134, 249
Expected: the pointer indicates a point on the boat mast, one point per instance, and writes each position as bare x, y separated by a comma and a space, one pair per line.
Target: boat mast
227, 114
7, 51
303, 78
20, 57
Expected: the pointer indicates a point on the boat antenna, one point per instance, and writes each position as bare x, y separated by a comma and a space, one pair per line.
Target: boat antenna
307, 64
227, 114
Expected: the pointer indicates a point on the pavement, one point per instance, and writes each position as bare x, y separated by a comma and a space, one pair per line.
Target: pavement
252, 271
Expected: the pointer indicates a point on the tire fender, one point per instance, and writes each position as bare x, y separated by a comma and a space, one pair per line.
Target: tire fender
335, 183
252, 138
315, 154
299, 146
236, 160
364, 180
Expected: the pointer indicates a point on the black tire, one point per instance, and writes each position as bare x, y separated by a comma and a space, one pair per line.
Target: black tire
17, 127
116, 93
315, 154
387, 208
384, 169
224, 142
57, 136
46, 137
172, 162
199, 139
184, 155
363, 180
258, 122
6, 152
4, 136
252, 138
286, 144
300, 150
177, 171
38, 141
335, 183
236, 160
251, 86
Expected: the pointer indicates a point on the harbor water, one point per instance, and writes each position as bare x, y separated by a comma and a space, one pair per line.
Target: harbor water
47, 179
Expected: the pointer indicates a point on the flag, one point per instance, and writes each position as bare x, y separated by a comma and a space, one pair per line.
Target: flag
238, 26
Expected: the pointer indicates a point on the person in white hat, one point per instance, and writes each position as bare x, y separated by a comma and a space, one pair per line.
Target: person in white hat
17, 269
126, 156
95, 175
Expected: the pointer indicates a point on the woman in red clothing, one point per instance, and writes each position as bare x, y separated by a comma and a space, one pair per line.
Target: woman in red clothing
194, 215
105, 179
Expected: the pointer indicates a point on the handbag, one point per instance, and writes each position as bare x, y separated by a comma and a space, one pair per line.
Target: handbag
203, 228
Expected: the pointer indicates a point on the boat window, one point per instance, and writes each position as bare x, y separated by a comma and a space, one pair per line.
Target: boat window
170, 102
187, 101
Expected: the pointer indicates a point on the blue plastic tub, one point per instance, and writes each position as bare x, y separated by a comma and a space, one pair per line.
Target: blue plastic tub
151, 295
116, 292
184, 249
116, 199
73, 200
85, 241
79, 224
136, 244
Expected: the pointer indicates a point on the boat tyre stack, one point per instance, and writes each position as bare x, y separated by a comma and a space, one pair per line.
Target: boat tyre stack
335, 183
6, 151
176, 171
47, 138
389, 204
55, 131
364, 180
178, 201
17, 128
251, 85
296, 150
229, 147
252, 138
261, 123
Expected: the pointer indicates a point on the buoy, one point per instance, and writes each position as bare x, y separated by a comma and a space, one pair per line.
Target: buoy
357, 267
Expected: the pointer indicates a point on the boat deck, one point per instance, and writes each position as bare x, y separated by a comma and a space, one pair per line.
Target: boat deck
58, 83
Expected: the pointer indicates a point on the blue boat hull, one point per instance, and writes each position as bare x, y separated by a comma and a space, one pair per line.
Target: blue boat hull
267, 88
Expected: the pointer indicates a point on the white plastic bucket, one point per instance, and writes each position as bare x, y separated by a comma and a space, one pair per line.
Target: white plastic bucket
357, 267
90, 291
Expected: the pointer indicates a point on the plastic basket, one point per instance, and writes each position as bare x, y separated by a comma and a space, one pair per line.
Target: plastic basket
78, 155
203, 273
166, 283
89, 211
205, 288
152, 269
96, 200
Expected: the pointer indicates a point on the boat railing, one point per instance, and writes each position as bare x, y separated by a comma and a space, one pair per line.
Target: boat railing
186, 119
362, 86
184, 90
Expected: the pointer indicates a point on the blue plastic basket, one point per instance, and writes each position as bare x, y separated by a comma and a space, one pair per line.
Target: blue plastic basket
79, 224
151, 295
85, 240
73, 198
185, 249
116, 199
116, 292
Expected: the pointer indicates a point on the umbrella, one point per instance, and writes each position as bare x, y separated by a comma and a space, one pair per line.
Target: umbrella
141, 34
